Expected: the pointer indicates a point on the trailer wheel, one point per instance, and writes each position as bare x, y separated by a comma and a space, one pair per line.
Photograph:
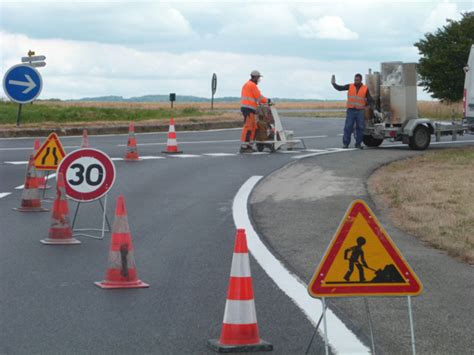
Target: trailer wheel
370, 141
260, 147
421, 138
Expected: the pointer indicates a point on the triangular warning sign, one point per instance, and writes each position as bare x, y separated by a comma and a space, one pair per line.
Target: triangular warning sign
362, 260
50, 154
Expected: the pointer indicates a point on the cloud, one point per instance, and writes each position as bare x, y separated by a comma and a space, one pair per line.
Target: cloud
438, 16
327, 27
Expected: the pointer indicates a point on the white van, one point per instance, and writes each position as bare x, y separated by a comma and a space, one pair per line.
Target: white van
468, 97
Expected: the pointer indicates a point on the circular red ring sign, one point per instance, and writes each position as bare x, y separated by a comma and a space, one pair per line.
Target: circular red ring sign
89, 174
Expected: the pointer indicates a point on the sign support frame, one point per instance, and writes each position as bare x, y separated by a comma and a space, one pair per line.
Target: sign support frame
104, 221
412, 328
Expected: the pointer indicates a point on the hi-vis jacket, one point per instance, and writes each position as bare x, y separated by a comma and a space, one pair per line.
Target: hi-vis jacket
251, 96
357, 99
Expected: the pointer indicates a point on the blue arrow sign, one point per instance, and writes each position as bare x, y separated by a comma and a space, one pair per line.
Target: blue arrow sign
22, 83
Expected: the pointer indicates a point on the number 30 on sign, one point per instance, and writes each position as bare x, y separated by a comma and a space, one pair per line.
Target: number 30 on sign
89, 174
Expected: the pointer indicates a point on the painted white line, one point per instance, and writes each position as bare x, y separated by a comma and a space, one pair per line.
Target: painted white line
116, 159
340, 134
4, 194
309, 137
340, 338
221, 154
181, 142
30, 148
16, 162
323, 153
183, 156
150, 157
48, 178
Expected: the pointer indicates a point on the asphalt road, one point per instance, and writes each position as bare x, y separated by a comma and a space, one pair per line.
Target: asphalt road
180, 214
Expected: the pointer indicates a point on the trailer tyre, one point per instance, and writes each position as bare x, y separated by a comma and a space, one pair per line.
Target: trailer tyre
370, 141
260, 147
421, 138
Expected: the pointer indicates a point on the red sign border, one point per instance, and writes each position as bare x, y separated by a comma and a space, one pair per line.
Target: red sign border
317, 290
53, 135
106, 185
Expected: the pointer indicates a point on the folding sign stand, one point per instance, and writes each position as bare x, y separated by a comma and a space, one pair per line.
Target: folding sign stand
46, 175
104, 221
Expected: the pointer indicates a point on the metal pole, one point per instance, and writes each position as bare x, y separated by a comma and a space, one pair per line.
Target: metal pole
212, 102
412, 328
370, 325
326, 346
19, 115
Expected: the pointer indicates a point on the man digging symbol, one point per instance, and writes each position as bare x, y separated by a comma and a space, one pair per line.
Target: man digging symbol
355, 255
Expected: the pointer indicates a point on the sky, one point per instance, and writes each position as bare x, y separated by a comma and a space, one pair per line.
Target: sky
134, 48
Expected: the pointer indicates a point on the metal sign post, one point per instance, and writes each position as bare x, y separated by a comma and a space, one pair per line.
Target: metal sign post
213, 88
412, 328
89, 175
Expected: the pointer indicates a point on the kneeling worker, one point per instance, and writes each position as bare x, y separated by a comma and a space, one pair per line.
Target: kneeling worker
251, 98
358, 97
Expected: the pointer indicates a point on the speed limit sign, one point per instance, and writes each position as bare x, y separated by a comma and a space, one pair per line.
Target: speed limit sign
89, 174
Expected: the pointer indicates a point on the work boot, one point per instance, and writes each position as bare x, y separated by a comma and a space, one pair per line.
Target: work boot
345, 146
359, 146
247, 149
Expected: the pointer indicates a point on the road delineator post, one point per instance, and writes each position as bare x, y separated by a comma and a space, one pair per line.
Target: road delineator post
30, 198
172, 143
60, 232
240, 332
85, 139
132, 150
122, 271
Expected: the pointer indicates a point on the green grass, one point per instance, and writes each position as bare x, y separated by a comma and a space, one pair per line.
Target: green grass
62, 114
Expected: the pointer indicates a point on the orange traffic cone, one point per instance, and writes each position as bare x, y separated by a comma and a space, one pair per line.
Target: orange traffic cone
60, 231
122, 272
172, 144
30, 198
85, 139
240, 329
132, 150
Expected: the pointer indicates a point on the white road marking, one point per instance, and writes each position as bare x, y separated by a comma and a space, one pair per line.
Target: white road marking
4, 194
48, 178
180, 142
309, 137
16, 162
341, 339
183, 156
221, 154
116, 159
322, 153
150, 157
30, 148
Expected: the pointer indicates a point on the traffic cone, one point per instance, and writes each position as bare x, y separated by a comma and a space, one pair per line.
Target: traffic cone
30, 198
132, 150
60, 231
122, 272
172, 144
240, 329
85, 139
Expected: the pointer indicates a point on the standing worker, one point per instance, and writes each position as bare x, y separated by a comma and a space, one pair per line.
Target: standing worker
358, 97
251, 98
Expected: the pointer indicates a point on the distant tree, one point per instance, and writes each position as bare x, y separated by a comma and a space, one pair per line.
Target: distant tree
444, 55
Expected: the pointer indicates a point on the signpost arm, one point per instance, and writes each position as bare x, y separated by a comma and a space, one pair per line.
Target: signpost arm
19, 115
412, 328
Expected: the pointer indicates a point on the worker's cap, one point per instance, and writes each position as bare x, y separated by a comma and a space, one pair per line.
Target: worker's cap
255, 73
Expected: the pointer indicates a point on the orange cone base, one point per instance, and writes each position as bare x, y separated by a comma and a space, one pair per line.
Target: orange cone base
171, 152
217, 346
30, 209
68, 241
122, 284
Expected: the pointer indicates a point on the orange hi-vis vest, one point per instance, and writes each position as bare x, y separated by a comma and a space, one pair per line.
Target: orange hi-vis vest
251, 96
357, 99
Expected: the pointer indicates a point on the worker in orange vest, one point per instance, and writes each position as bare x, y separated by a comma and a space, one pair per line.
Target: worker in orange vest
358, 97
250, 99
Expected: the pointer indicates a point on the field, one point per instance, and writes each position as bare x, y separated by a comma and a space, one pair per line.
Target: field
430, 196
71, 113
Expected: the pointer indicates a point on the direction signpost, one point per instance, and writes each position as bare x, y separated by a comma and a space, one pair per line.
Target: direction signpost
89, 175
22, 84
213, 88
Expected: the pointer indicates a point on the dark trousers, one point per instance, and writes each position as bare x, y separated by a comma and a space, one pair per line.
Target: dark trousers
354, 117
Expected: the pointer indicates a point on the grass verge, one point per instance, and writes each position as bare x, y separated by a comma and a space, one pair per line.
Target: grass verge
430, 197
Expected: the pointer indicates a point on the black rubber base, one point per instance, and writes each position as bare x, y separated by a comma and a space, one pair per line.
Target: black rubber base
215, 345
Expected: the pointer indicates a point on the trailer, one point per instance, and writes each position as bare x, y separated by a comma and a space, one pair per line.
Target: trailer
395, 113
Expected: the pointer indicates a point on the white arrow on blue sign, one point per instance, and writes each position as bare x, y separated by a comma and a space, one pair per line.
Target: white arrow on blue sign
22, 83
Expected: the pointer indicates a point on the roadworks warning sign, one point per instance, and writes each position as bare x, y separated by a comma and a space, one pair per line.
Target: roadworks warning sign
362, 260
50, 154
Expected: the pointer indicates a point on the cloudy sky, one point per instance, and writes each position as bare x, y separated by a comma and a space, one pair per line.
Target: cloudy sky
134, 48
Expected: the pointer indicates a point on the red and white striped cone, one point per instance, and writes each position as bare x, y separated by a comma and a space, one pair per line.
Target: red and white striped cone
60, 231
122, 272
172, 143
240, 331
30, 198
85, 139
132, 150
42, 180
